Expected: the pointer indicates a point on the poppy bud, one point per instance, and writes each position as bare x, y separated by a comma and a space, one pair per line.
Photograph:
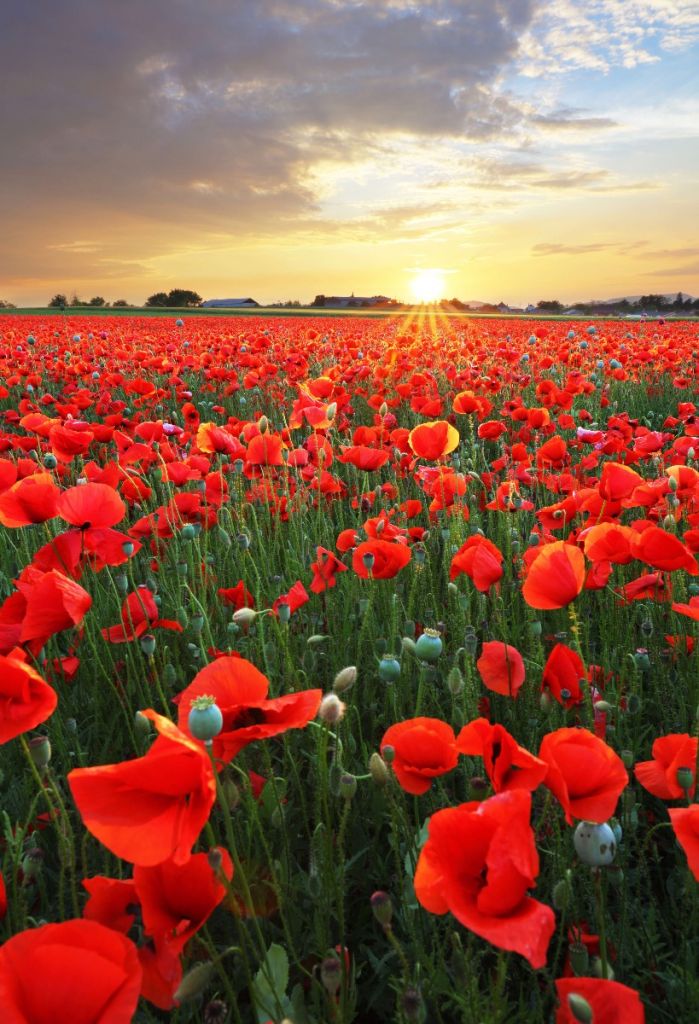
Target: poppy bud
477, 787
122, 582
205, 719
579, 958
194, 982
561, 894
348, 786
40, 750
244, 616
31, 864
197, 624
408, 644
545, 700
263, 424
685, 780
455, 681
182, 569
627, 756
128, 548
230, 794
470, 641
412, 1005
331, 709
382, 908
331, 411
598, 972
388, 753
345, 678
368, 560
284, 612
148, 644
50, 460
580, 1008
535, 628
633, 704
378, 770
331, 975
141, 724
243, 541
601, 705
187, 532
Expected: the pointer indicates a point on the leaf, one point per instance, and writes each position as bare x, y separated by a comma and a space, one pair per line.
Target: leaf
269, 984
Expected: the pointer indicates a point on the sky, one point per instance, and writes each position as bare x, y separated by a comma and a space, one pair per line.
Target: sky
278, 149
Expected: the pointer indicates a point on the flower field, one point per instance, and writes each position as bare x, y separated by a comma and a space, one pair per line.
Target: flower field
348, 670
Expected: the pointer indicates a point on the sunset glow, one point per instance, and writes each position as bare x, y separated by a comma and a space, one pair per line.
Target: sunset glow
427, 286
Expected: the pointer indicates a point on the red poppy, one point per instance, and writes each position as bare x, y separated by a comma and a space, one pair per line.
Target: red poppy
152, 808
651, 586
585, 775
424, 748
69, 441
240, 691
562, 675
91, 505
433, 440
385, 558
478, 863
26, 700
685, 822
325, 569
31, 500
609, 542
610, 1002
671, 752
555, 577
662, 550
139, 615
501, 667
480, 560
177, 899
507, 765
617, 481
264, 450
78, 971
53, 602
294, 598
236, 597
364, 458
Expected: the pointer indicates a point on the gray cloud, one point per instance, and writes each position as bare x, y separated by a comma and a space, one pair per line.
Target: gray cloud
506, 175
572, 119
198, 118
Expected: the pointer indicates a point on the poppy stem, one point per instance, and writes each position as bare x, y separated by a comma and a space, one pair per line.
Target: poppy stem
600, 906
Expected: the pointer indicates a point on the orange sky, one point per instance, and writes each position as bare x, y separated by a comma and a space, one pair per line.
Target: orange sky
528, 150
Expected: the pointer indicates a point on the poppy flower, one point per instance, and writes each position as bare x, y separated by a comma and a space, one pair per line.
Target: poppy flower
671, 752
325, 569
585, 775
562, 675
364, 458
152, 808
610, 1001
609, 542
555, 577
264, 450
91, 505
507, 765
685, 823
139, 615
177, 899
480, 560
618, 481
691, 610
501, 667
424, 748
478, 863
78, 971
294, 598
236, 597
31, 500
26, 700
662, 550
433, 440
385, 558
53, 602
651, 586
240, 691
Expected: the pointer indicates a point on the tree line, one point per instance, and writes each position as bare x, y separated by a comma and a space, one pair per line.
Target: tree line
176, 297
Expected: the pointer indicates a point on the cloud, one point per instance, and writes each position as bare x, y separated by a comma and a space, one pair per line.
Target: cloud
570, 119
557, 249
508, 174
679, 271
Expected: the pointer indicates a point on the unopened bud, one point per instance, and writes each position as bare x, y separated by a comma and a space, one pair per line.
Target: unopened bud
378, 770
580, 1008
331, 411
331, 975
244, 616
477, 788
263, 424
40, 750
685, 779
345, 678
603, 706
561, 894
331, 709
455, 681
348, 786
382, 908
148, 644
412, 1005
579, 958
194, 982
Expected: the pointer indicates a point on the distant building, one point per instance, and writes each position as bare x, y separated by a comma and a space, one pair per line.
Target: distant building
230, 304
352, 301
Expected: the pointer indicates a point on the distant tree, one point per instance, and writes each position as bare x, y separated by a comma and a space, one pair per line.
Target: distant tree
75, 301
183, 297
159, 299
679, 301
120, 304
653, 301
58, 302
549, 306
97, 300
4, 304
319, 300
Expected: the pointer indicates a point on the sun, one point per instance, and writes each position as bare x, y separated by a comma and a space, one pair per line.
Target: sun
427, 285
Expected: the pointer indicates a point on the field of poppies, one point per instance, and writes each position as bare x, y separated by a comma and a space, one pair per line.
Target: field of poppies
348, 671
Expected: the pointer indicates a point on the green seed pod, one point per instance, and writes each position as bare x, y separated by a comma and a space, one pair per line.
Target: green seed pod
378, 770
579, 958
382, 908
40, 750
348, 786
428, 646
194, 982
580, 1008
455, 681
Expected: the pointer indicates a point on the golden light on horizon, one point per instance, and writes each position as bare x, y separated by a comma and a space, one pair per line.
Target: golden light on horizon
427, 286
